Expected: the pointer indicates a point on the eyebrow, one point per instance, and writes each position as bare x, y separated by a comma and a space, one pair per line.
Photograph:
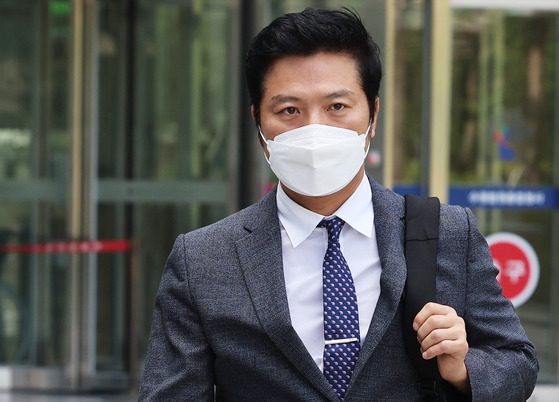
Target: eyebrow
340, 94
284, 98
280, 98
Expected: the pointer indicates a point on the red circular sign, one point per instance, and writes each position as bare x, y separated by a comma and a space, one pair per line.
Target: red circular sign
519, 269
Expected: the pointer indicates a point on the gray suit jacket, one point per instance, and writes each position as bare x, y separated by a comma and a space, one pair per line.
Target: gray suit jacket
221, 327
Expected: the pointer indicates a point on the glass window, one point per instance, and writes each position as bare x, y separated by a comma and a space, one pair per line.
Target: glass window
166, 128
33, 172
408, 90
504, 136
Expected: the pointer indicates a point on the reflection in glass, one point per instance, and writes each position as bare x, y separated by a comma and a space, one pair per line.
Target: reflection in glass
164, 116
504, 127
33, 155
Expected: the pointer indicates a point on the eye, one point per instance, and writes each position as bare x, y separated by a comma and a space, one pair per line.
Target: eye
289, 110
337, 107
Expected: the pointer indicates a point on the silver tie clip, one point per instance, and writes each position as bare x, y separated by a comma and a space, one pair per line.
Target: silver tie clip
338, 341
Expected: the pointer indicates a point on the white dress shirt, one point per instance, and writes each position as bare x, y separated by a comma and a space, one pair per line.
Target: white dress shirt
303, 249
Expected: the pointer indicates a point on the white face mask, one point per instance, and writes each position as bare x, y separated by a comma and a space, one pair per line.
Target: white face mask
317, 160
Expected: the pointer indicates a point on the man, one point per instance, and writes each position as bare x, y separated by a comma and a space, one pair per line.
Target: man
299, 297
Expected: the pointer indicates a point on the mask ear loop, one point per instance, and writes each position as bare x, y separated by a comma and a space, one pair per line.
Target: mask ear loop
369, 127
367, 134
265, 141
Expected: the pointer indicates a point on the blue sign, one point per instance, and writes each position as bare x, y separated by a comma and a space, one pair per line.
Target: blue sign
505, 197
496, 196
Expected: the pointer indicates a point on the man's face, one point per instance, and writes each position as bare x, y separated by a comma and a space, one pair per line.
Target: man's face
320, 89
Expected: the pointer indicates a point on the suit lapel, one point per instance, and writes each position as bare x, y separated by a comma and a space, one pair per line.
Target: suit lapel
389, 228
260, 256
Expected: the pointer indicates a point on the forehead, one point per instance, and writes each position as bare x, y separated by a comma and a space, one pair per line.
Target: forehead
311, 73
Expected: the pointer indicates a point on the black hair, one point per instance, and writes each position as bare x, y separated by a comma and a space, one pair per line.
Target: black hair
307, 33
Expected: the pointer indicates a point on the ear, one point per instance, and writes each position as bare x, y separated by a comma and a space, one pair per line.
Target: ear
260, 140
253, 112
375, 118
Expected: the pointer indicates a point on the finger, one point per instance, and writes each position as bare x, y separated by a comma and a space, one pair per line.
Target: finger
440, 341
435, 322
457, 348
431, 309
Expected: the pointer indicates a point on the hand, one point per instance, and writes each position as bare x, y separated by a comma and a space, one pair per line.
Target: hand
442, 334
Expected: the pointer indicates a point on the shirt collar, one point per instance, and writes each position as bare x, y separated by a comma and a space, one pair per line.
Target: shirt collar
299, 222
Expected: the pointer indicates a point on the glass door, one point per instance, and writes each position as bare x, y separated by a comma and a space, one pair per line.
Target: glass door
49, 281
118, 131
505, 144
34, 156
168, 110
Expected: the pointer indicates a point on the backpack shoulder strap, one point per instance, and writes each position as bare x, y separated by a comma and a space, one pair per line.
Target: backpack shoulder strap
420, 247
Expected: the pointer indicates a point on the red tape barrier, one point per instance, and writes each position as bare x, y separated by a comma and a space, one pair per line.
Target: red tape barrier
99, 246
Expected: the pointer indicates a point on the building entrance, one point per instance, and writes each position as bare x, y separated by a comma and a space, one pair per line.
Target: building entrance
116, 121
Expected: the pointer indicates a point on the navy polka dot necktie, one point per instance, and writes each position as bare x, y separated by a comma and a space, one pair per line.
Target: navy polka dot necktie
341, 318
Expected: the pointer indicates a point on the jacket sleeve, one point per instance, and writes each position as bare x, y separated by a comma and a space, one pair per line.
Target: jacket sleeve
179, 359
501, 361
